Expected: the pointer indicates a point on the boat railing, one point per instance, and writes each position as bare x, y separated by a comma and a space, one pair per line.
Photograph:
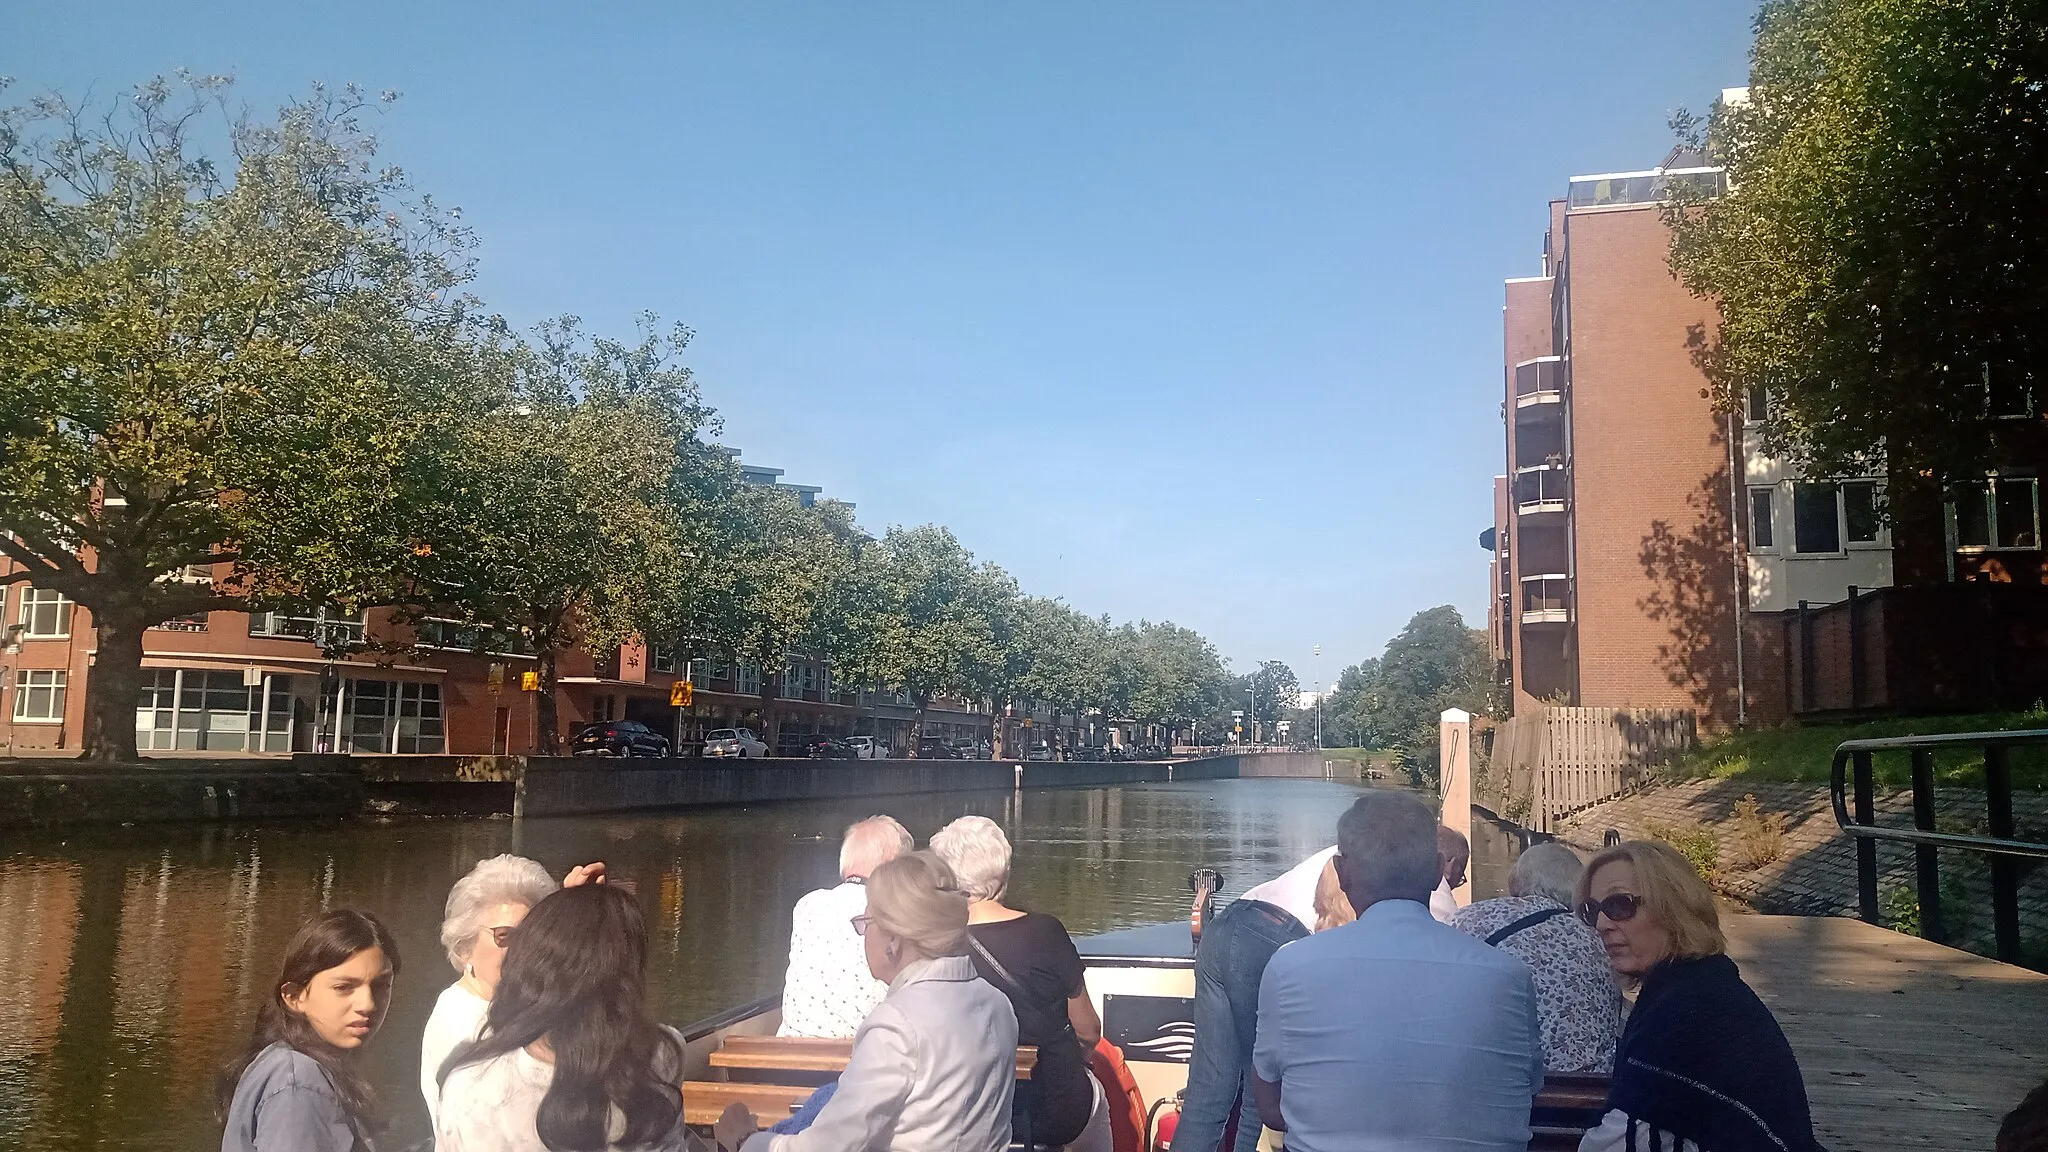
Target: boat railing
1853, 781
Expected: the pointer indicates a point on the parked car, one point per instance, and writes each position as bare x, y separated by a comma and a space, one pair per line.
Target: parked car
982, 750
618, 738
831, 748
733, 742
933, 748
865, 747
1042, 752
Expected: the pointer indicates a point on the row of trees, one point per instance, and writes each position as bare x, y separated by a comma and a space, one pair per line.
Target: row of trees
243, 346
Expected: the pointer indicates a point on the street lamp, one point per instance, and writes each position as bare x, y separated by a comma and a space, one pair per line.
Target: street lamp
1319, 698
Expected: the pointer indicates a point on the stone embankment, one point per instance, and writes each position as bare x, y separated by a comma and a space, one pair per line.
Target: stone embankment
1812, 870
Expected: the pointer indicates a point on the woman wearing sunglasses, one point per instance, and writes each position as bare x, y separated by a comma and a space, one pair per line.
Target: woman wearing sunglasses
1702, 1064
483, 910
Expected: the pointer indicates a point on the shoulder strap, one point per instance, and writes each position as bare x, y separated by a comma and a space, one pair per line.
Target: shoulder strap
1017, 992
1529, 921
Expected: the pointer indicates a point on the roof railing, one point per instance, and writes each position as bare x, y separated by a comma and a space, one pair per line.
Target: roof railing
2006, 853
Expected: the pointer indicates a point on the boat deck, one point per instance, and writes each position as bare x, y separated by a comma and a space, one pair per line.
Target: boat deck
1904, 1044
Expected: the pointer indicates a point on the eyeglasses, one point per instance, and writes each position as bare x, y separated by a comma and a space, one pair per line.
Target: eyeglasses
1620, 907
860, 925
501, 935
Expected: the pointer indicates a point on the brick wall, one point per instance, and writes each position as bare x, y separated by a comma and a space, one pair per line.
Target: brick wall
1525, 335
1657, 607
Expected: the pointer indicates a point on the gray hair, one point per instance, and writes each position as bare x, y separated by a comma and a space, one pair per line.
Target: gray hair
499, 880
872, 843
1387, 844
975, 848
1549, 869
916, 899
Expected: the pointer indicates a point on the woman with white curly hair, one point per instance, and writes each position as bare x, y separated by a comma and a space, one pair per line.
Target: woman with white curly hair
484, 908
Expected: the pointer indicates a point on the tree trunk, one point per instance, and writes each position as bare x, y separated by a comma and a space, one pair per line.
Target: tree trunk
113, 686
547, 737
771, 719
917, 728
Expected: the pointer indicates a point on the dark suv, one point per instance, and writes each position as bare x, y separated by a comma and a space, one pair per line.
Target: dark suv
618, 738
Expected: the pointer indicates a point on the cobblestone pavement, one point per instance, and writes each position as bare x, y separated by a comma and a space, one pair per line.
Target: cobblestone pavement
1815, 873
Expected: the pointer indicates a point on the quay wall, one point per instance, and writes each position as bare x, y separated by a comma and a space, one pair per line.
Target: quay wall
56, 793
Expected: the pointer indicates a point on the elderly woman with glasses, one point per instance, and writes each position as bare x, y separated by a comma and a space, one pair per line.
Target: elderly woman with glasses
935, 1064
1702, 1064
483, 910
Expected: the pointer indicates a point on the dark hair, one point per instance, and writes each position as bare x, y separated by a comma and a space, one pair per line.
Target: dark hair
576, 973
2025, 1128
326, 941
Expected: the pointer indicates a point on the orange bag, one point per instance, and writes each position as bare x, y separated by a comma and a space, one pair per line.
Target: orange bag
1120, 1088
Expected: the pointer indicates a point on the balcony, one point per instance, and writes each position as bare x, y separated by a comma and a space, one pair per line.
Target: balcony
1547, 599
1539, 381
1542, 489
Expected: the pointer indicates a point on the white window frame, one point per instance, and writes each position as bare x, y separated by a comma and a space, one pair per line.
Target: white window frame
1843, 545
47, 684
37, 600
1750, 417
747, 680
268, 626
1987, 488
1770, 494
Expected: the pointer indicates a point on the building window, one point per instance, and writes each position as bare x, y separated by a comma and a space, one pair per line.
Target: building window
1761, 536
720, 671
193, 710
1816, 518
604, 708
285, 626
193, 622
749, 678
1756, 407
2000, 513
394, 716
662, 658
792, 680
39, 695
2007, 393
1859, 513
458, 635
45, 614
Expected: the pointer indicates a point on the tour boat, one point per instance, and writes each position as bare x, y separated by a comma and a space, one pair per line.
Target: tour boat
1142, 981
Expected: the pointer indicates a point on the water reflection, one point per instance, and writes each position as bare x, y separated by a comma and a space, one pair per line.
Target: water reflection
132, 959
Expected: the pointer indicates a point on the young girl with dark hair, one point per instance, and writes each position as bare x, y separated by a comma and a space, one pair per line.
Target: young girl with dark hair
297, 1085
568, 1059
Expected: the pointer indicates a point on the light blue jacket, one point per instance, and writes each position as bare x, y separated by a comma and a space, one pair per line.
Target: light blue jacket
285, 1102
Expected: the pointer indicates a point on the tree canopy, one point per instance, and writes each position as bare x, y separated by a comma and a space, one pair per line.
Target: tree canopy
1880, 257
1394, 701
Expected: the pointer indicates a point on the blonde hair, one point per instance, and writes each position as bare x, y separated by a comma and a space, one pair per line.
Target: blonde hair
975, 848
1333, 907
1672, 894
915, 899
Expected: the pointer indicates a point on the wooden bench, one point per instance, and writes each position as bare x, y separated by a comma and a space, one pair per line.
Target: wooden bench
1566, 1105
816, 1060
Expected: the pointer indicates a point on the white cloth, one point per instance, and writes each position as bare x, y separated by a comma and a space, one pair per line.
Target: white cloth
933, 1069
458, 1016
1294, 891
1442, 904
828, 989
490, 1106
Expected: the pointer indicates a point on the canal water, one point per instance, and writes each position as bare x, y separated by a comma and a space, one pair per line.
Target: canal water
132, 959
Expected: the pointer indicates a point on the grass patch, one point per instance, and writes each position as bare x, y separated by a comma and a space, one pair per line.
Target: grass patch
1803, 753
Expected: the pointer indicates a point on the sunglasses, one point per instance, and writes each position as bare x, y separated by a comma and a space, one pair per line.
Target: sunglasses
501, 935
1619, 908
860, 925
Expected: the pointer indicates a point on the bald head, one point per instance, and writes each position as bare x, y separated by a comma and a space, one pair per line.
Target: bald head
1454, 854
1386, 849
870, 844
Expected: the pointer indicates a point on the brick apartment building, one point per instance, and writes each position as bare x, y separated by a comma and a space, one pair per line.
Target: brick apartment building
238, 684
1646, 552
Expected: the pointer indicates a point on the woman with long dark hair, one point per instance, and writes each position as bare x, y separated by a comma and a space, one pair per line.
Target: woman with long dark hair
297, 1084
568, 1059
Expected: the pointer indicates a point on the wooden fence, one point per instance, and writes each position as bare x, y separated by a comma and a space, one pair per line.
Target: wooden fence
1548, 762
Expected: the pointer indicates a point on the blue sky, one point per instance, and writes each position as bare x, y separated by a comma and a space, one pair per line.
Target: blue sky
1182, 311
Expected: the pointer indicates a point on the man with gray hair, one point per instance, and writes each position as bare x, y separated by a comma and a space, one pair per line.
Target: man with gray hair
1395, 1031
828, 990
1578, 1001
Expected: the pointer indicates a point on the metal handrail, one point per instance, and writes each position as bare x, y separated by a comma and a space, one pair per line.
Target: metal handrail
2005, 851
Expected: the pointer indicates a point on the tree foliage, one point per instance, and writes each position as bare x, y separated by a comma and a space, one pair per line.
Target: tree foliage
1394, 701
1880, 259
252, 353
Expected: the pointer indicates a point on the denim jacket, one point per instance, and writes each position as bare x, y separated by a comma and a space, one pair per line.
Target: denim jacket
285, 1102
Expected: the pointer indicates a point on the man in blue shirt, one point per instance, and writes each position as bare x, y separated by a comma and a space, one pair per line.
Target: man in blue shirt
1395, 1032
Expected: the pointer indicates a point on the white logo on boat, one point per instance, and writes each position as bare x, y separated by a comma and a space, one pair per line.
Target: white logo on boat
1175, 1042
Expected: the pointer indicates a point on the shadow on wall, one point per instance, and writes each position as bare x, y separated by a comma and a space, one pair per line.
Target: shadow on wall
1694, 599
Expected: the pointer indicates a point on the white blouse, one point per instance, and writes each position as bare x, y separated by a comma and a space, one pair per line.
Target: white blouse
458, 1016
491, 1106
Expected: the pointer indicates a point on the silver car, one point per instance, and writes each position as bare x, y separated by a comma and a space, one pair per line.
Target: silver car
867, 747
736, 742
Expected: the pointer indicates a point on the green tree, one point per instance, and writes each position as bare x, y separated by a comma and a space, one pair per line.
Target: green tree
1880, 258
931, 616
225, 341
600, 496
1434, 664
1175, 675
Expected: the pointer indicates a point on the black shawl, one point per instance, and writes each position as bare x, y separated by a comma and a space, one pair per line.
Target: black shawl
1702, 1059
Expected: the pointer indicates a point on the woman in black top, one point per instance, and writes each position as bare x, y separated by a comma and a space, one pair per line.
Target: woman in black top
1029, 957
